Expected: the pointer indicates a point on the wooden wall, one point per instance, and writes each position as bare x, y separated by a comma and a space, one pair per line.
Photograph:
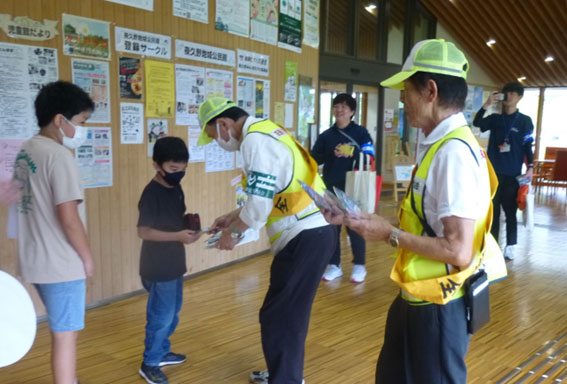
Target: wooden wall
112, 212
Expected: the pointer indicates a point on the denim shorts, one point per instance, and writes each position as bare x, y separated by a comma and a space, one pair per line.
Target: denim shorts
65, 304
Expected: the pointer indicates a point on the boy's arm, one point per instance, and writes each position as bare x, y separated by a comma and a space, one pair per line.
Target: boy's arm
68, 215
185, 236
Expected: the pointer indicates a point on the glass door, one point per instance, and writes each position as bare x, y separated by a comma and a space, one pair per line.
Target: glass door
327, 92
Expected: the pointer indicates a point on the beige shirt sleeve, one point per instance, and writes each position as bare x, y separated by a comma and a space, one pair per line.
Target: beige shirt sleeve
64, 179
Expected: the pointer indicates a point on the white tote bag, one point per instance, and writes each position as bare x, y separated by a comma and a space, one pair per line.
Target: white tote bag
361, 185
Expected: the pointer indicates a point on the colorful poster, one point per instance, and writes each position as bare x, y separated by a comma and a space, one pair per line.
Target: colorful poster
311, 23
22, 27
217, 159
131, 78
305, 113
289, 35
245, 94
93, 77
232, 16
253, 63
24, 70
86, 37
8, 151
196, 10
190, 93
219, 83
262, 93
131, 123
206, 53
94, 158
290, 81
142, 43
264, 21
147, 5
196, 153
157, 128
160, 89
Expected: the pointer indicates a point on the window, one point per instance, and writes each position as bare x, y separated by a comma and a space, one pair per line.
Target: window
396, 32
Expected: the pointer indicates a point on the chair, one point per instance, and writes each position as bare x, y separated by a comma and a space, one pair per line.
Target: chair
559, 173
403, 167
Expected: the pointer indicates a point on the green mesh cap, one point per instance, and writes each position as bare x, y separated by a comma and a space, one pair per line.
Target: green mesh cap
208, 110
433, 56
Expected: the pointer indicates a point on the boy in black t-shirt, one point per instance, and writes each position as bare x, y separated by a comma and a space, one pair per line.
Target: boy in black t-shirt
162, 260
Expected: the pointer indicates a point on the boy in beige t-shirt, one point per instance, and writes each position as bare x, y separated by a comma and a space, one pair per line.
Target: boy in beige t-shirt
53, 247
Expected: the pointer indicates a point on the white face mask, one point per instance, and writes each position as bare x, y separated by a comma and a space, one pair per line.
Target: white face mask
232, 145
78, 139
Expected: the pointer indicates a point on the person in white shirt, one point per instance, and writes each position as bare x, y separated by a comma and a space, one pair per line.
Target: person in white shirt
302, 241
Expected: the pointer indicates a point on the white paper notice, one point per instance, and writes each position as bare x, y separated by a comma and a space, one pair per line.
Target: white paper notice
148, 5
142, 43
253, 63
131, 123
217, 159
93, 77
189, 93
94, 158
233, 16
219, 83
288, 120
24, 70
157, 128
196, 153
197, 10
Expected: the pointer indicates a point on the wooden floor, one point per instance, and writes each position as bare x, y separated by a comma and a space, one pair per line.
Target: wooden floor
220, 333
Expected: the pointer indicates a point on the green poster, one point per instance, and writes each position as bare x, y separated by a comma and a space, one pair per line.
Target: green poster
290, 81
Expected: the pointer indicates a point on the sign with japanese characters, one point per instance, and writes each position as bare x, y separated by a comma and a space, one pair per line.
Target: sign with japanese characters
86, 37
142, 43
254, 63
206, 53
22, 27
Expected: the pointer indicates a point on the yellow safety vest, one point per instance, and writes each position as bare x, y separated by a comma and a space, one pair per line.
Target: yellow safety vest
424, 280
292, 203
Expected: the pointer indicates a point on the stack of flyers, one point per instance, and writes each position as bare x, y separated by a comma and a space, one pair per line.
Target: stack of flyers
338, 202
347, 204
212, 241
319, 200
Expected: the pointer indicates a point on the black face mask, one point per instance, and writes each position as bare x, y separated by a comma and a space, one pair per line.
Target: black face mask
173, 178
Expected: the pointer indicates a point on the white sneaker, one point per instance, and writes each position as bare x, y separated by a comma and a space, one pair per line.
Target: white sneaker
333, 272
358, 273
510, 252
261, 377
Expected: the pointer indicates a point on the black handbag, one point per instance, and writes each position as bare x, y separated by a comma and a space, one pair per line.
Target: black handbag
477, 301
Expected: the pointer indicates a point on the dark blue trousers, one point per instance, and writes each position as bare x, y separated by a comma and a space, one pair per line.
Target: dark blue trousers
506, 196
357, 244
284, 317
424, 344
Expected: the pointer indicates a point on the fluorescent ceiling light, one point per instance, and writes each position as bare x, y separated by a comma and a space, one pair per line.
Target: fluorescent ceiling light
549, 58
491, 42
370, 8
521, 78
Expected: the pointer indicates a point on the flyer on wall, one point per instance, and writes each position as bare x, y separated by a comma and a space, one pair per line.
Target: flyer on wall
219, 83
196, 152
232, 16
160, 89
93, 77
264, 21
131, 78
189, 93
289, 35
86, 37
196, 10
94, 158
157, 128
131, 123
311, 23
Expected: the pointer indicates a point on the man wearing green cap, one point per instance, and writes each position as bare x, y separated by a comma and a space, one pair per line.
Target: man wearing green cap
302, 241
444, 224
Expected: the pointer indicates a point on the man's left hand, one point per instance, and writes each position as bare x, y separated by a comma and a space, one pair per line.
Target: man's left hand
371, 227
226, 241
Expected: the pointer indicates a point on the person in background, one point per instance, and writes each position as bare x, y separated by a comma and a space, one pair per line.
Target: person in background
162, 260
52, 240
509, 146
338, 149
302, 242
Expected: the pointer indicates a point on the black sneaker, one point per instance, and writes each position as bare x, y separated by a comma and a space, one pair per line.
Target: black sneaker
172, 359
259, 377
153, 375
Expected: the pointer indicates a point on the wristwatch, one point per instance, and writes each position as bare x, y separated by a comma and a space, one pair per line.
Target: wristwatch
393, 240
234, 233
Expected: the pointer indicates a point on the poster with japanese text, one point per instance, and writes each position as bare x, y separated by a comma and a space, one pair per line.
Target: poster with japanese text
262, 96
311, 23
219, 83
206, 53
94, 158
253, 95
264, 21
160, 89
142, 43
196, 10
305, 113
190, 93
253, 63
130, 77
147, 5
196, 153
93, 77
217, 159
24, 70
86, 37
289, 34
232, 16
290, 81
131, 123
157, 128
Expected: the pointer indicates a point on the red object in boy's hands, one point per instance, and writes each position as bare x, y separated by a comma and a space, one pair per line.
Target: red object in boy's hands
192, 222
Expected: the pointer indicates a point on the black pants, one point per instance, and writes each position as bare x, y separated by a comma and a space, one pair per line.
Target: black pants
424, 344
505, 196
357, 243
284, 317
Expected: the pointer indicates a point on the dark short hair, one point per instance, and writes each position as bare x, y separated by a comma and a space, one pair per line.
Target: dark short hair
514, 87
170, 148
345, 98
61, 97
233, 113
451, 90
